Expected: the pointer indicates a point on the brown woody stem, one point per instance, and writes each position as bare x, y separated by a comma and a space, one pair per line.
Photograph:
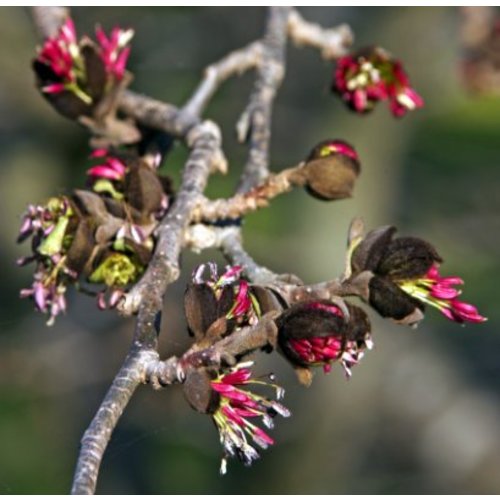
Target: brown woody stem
249, 201
332, 43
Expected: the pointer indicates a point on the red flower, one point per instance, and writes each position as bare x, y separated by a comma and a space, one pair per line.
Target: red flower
438, 291
114, 51
326, 338
63, 62
245, 308
371, 75
61, 54
405, 277
236, 409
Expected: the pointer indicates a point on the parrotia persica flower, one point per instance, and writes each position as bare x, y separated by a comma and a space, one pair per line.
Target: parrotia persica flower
212, 298
103, 236
49, 227
318, 334
371, 75
405, 277
237, 409
75, 74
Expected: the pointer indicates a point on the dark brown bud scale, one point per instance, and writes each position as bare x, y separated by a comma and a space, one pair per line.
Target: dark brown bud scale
391, 302
370, 251
202, 307
66, 103
143, 189
407, 258
95, 70
81, 248
198, 392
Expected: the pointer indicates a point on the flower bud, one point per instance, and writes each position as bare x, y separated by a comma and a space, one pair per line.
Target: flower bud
331, 170
227, 297
198, 391
317, 334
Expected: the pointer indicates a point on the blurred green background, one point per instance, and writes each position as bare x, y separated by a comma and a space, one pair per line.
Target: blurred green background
422, 411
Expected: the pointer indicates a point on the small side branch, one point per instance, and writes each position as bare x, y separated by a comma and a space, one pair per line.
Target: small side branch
476, 25
255, 122
332, 43
156, 114
243, 203
222, 353
235, 63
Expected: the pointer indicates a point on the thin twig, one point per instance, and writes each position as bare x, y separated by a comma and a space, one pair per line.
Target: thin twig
242, 203
255, 122
332, 43
232, 247
223, 352
476, 25
235, 63
155, 114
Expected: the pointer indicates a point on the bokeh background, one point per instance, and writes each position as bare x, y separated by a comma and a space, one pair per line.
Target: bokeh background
422, 411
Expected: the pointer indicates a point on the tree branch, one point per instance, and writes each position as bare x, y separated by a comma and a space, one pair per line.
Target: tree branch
254, 124
332, 42
249, 201
98, 434
147, 298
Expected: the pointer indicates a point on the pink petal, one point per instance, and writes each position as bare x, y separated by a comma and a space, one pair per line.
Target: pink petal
54, 88
359, 100
104, 172
117, 165
99, 153
121, 63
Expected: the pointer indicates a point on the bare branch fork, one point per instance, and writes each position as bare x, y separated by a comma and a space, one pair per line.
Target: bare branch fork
187, 223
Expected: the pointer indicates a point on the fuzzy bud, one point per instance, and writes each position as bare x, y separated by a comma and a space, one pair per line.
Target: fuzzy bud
331, 170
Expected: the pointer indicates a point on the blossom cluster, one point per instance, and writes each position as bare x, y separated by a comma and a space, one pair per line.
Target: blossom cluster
103, 235
74, 74
371, 75
238, 408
